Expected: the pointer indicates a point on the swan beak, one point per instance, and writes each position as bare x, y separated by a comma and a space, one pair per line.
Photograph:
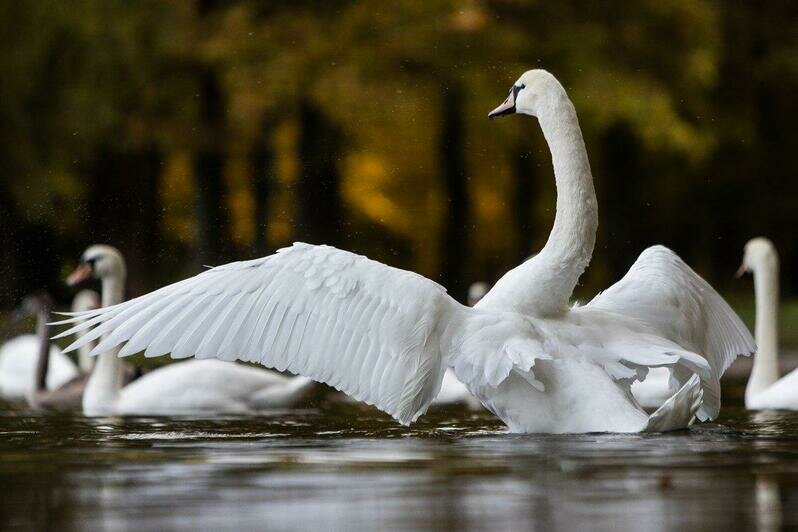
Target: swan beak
81, 273
507, 107
741, 271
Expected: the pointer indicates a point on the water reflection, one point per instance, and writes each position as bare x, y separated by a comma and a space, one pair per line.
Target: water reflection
352, 469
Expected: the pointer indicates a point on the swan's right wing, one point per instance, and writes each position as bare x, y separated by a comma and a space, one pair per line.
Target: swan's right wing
369, 330
673, 301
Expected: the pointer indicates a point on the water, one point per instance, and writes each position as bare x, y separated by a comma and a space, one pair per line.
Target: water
350, 468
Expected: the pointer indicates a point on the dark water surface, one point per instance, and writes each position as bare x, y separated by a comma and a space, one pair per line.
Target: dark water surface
353, 469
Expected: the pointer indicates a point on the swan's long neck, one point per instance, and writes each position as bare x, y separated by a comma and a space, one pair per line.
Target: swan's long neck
766, 361
102, 389
543, 285
85, 360
43, 363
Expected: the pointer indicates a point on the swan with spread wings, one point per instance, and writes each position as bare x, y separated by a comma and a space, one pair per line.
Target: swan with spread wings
386, 336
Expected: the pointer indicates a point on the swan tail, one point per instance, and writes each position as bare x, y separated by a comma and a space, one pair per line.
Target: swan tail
680, 411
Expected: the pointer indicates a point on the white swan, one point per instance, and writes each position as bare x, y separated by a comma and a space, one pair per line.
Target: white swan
20, 356
385, 336
765, 390
204, 386
69, 396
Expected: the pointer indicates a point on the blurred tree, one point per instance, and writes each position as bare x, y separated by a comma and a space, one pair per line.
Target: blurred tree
123, 208
525, 175
261, 169
456, 230
213, 234
318, 196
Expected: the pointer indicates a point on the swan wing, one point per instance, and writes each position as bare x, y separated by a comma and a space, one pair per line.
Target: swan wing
672, 301
370, 330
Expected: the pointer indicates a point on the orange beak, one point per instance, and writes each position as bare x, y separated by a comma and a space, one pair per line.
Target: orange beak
81, 273
741, 271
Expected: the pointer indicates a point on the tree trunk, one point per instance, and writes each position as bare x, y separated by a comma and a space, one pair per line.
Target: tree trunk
319, 209
210, 194
617, 190
261, 163
524, 174
455, 188
124, 210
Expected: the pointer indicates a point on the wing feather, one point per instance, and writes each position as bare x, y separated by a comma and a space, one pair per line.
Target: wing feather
372, 331
671, 300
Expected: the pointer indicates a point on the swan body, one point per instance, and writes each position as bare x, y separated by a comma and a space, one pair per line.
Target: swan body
386, 336
209, 386
196, 386
18, 359
781, 395
24, 372
454, 392
765, 390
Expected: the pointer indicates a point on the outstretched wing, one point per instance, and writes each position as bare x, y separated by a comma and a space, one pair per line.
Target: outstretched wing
673, 301
369, 330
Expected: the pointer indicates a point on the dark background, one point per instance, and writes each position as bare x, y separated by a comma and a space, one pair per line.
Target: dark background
199, 132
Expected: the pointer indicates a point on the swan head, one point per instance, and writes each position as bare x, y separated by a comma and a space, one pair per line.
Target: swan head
33, 304
759, 252
98, 262
530, 94
476, 292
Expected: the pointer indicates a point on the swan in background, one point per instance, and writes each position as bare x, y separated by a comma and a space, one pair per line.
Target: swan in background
85, 300
655, 389
67, 396
454, 392
386, 336
765, 390
476, 292
20, 356
195, 386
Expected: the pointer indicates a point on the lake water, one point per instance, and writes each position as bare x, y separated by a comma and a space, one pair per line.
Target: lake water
351, 468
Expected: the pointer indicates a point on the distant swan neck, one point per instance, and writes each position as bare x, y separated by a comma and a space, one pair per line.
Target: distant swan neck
102, 389
85, 361
43, 362
543, 285
765, 370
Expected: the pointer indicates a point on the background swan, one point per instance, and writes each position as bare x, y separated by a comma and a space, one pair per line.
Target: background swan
205, 386
20, 356
69, 395
386, 336
655, 389
765, 390
85, 299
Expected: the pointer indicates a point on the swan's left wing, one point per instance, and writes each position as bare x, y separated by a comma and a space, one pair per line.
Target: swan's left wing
671, 300
369, 330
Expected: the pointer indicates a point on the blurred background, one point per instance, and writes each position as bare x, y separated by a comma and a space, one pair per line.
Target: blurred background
201, 132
